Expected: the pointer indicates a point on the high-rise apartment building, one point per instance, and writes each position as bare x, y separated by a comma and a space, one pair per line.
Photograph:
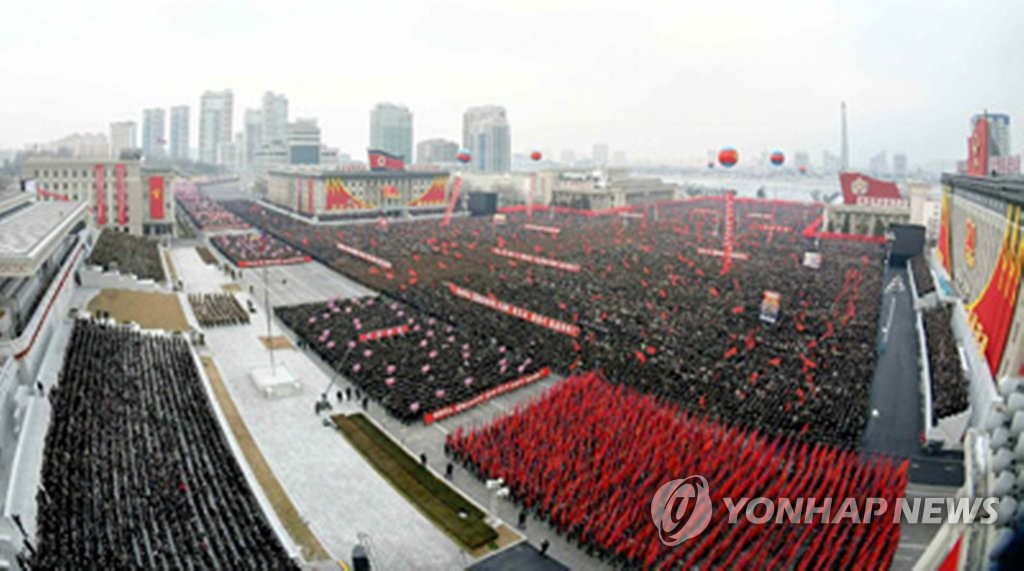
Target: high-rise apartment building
122, 137
485, 132
215, 123
154, 136
599, 154
274, 118
391, 130
179, 132
253, 136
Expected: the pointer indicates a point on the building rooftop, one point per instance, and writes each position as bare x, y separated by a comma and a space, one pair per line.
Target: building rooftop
30, 231
1009, 189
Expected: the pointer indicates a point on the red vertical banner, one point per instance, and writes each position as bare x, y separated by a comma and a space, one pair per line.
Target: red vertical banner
156, 198
101, 195
298, 196
977, 148
727, 235
122, 195
309, 194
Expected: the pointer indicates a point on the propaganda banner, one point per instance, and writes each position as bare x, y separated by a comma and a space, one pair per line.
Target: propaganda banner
156, 198
540, 261
485, 396
546, 229
122, 195
101, 195
383, 333
364, 256
515, 311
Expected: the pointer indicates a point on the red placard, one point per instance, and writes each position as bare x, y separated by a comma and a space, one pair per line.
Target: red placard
383, 333
122, 195
156, 198
101, 195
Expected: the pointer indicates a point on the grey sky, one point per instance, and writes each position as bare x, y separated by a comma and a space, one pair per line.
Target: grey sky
657, 79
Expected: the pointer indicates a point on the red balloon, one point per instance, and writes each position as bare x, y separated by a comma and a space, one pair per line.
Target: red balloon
777, 158
463, 156
536, 155
728, 157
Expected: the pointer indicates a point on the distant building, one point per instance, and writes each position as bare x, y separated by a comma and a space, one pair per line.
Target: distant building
998, 133
391, 130
486, 134
179, 132
599, 154
878, 165
303, 142
274, 118
215, 123
568, 157
121, 194
230, 154
122, 136
79, 145
619, 159
435, 151
253, 136
899, 165
154, 134
600, 190
802, 159
830, 163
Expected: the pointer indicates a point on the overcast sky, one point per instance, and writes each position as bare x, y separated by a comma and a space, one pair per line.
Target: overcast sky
663, 80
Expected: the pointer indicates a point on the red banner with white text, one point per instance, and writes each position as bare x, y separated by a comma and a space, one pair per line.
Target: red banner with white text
548, 262
485, 396
383, 333
364, 256
515, 311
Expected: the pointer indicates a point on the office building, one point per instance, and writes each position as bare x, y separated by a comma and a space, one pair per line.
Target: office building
303, 142
215, 123
179, 132
436, 151
486, 134
599, 154
154, 136
122, 137
391, 130
253, 136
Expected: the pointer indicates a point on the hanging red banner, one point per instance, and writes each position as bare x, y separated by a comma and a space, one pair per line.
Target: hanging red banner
122, 195
515, 311
546, 229
364, 256
727, 235
101, 195
156, 198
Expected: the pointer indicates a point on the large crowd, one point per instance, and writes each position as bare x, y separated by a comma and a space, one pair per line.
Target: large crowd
128, 254
137, 473
653, 311
256, 250
410, 362
923, 281
589, 457
949, 383
216, 309
207, 213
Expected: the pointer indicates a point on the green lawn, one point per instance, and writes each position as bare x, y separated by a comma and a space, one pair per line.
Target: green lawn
449, 510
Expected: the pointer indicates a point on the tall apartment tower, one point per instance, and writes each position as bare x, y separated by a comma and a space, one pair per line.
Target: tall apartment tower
154, 136
486, 134
122, 137
391, 130
179, 132
215, 125
275, 118
844, 155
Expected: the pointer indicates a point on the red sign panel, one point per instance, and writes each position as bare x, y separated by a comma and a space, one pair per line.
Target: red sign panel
101, 195
862, 189
122, 195
156, 198
977, 149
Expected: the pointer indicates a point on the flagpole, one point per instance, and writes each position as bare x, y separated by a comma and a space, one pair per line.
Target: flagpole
266, 301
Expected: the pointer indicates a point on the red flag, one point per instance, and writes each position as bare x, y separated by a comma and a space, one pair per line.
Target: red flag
384, 161
156, 198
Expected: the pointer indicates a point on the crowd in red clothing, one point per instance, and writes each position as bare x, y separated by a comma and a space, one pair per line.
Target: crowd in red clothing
257, 250
588, 457
652, 310
207, 213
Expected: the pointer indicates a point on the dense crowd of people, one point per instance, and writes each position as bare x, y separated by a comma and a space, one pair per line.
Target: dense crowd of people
949, 383
137, 473
410, 362
128, 254
256, 249
923, 281
216, 309
654, 311
207, 213
576, 458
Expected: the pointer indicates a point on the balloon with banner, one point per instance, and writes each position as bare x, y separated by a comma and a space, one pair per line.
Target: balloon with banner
770, 306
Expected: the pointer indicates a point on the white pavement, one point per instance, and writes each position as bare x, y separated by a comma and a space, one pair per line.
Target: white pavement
334, 489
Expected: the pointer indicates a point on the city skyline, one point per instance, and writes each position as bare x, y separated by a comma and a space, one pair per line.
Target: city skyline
751, 76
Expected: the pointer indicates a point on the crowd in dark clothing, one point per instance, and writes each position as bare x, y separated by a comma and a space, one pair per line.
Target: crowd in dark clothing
137, 473
590, 458
653, 312
214, 309
949, 383
243, 249
128, 254
429, 366
207, 213
923, 281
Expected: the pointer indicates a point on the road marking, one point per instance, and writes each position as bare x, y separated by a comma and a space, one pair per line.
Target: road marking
888, 322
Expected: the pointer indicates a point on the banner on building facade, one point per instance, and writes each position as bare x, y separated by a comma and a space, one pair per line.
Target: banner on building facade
122, 195
156, 198
101, 195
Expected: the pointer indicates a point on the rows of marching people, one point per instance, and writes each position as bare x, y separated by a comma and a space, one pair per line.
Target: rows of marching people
256, 250
923, 281
648, 297
949, 381
128, 254
408, 361
207, 213
217, 309
137, 472
589, 457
